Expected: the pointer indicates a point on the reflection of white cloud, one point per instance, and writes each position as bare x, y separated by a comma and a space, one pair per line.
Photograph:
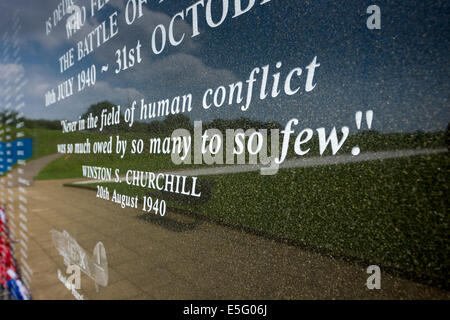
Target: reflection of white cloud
12, 80
104, 91
150, 19
39, 82
9, 71
176, 74
142, 29
189, 71
32, 24
75, 105
155, 78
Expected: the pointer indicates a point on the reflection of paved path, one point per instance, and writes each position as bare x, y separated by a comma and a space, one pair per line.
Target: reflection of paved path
33, 167
301, 162
177, 257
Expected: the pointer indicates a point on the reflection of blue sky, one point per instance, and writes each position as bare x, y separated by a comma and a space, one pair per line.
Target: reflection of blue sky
401, 72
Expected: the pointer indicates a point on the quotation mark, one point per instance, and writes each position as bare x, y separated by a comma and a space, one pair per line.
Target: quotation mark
358, 118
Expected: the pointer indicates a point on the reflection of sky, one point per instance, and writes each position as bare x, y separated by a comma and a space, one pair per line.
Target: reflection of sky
401, 71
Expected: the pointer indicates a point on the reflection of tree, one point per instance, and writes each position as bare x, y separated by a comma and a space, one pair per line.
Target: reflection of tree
44, 124
241, 123
96, 110
12, 118
181, 121
167, 126
177, 121
5, 115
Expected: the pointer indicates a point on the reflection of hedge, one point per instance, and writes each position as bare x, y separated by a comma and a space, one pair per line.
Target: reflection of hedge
393, 213
205, 186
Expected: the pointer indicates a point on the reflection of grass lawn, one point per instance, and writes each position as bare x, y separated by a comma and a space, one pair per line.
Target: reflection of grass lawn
45, 141
69, 166
392, 212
